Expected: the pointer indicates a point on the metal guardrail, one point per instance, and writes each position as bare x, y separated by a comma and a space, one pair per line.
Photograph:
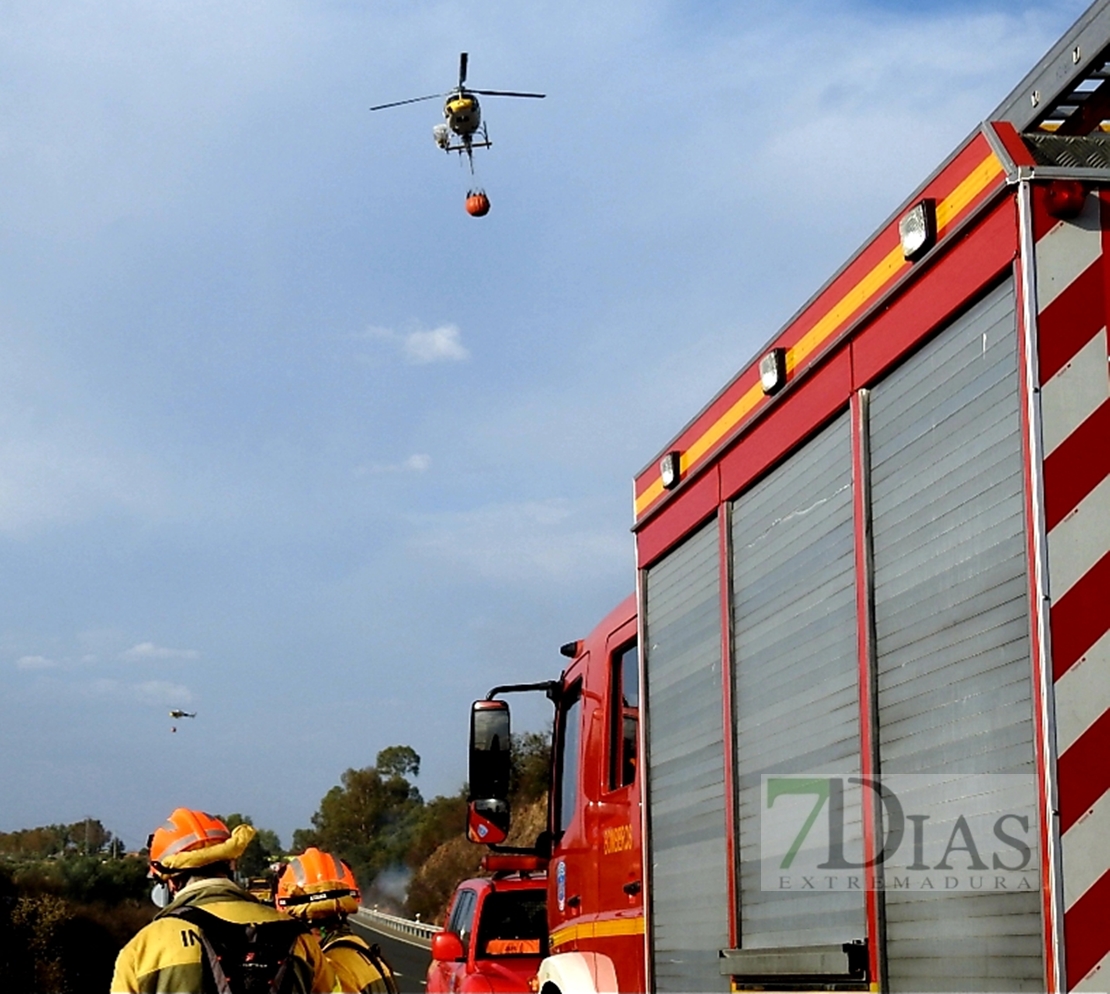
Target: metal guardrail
419, 933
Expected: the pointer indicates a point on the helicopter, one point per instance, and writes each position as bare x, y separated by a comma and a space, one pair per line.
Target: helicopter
462, 114
178, 713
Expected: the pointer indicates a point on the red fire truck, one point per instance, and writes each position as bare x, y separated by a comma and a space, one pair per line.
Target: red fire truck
880, 553
595, 903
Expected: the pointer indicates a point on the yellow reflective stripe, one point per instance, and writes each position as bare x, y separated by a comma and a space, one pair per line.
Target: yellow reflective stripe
889, 267
716, 431
597, 930
654, 491
878, 277
977, 180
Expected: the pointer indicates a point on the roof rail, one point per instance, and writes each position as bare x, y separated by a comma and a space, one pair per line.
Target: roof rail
1068, 91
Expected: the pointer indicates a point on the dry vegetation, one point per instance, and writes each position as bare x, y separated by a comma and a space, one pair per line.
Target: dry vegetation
63, 921
457, 859
69, 899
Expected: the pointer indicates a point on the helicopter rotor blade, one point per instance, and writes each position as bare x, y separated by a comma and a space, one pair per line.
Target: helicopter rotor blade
508, 93
414, 100
463, 59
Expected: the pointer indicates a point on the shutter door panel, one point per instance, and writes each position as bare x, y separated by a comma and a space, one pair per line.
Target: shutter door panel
795, 670
952, 628
685, 757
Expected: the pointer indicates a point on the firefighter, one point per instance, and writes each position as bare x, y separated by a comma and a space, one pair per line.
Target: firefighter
201, 937
320, 889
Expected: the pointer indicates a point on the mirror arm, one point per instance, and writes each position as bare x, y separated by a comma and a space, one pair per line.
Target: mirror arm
551, 689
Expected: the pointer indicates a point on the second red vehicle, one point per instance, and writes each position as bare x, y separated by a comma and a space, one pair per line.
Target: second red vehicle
496, 931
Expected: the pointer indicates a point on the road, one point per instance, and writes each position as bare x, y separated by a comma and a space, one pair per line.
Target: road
409, 962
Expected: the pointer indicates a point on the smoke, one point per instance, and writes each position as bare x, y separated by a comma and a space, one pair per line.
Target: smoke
390, 888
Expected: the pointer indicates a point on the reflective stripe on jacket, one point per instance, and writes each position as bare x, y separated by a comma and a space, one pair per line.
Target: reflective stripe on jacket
166, 957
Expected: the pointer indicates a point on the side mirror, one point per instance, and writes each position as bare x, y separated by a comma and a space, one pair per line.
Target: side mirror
447, 947
487, 813
487, 822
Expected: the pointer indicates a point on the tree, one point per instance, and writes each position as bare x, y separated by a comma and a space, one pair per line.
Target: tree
305, 838
88, 836
264, 848
270, 842
530, 774
398, 761
370, 818
443, 818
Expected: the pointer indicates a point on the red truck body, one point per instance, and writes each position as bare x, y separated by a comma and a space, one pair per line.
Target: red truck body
595, 877
592, 852
881, 551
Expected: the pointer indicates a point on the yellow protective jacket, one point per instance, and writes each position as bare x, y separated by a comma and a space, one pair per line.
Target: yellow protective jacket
166, 957
355, 969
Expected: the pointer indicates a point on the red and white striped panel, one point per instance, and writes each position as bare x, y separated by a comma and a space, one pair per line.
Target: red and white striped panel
1073, 270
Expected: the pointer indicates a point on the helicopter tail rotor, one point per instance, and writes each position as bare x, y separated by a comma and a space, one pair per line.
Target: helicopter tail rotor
463, 59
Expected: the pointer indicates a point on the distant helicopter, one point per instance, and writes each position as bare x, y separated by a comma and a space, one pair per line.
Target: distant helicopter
462, 114
178, 713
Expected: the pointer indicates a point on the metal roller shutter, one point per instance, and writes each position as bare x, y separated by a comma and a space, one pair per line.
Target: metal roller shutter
952, 643
685, 737
796, 671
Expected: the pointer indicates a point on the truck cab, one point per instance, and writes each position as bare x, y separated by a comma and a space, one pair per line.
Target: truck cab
595, 903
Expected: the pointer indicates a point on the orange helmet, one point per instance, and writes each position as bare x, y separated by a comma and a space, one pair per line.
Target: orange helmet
190, 839
317, 885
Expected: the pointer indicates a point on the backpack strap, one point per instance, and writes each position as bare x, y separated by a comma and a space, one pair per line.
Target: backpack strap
204, 922
384, 968
372, 951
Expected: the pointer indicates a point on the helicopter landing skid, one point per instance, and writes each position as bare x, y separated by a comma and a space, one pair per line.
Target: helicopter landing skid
468, 148
463, 148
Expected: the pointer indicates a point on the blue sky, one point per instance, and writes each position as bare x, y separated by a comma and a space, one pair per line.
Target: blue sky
289, 439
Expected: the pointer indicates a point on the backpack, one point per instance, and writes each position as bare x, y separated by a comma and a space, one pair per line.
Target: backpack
378, 959
242, 958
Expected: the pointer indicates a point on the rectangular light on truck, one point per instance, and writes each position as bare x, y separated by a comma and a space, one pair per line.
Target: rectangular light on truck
670, 470
918, 230
772, 371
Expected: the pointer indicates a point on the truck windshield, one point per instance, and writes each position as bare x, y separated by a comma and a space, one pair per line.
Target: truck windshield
513, 923
567, 766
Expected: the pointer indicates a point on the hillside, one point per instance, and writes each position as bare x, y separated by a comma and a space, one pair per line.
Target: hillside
457, 859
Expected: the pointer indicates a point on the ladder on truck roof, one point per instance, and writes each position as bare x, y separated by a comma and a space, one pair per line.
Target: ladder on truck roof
1068, 91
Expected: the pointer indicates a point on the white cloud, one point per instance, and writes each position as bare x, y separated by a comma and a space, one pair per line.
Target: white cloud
35, 663
442, 344
148, 650
539, 540
162, 692
418, 462
158, 692
438, 345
